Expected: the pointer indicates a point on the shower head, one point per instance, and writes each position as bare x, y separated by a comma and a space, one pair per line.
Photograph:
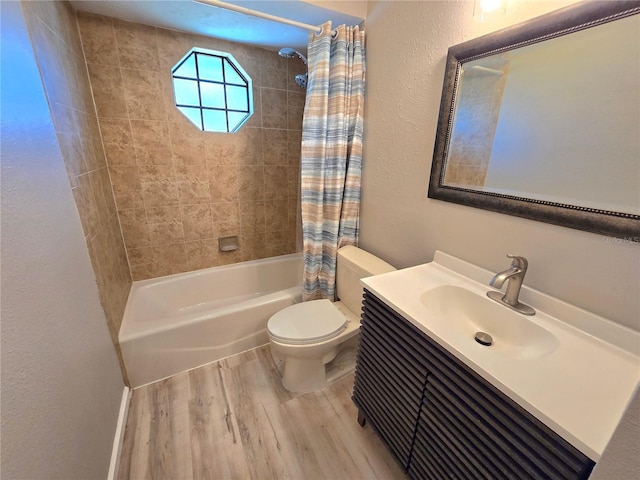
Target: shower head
301, 80
292, 53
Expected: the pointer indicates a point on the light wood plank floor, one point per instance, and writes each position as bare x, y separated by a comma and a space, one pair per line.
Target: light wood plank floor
233, 420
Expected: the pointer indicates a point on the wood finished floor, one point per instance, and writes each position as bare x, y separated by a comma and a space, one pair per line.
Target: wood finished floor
233, 420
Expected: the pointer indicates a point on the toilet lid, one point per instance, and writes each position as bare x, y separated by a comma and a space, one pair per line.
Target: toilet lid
307, 322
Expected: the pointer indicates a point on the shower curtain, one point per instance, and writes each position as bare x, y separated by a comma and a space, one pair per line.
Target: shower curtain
331, 161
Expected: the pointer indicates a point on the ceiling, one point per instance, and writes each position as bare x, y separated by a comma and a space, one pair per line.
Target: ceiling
190, 16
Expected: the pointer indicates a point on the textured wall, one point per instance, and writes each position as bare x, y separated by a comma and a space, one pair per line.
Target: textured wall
178, 189
56, 42
61, 385
407, 44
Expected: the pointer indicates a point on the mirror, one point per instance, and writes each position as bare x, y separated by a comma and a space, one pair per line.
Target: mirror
542, 120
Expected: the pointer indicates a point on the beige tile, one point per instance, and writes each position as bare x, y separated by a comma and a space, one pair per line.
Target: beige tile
140, 256
294, 144
197, 222
163, 214
276, 182
100, 198
252, 218
71, 148
251, 183
127, 200
170, 259
160, 194
141, 57
135, 229
224, 183
274, 108
132, 35
172, 47
142, 91
273, 71
295, 110
255, 246
157, 173
144, 271
117, 141
250, 151
86, 204
125, 178
187, 144
95, 157
275, 142
193, 192
202, 254
151, 142
192, 173
276, 215
255, 120
223, 149
226, 218
108, 91
166, 232
98, 38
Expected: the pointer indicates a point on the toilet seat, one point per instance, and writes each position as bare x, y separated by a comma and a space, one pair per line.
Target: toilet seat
307, 322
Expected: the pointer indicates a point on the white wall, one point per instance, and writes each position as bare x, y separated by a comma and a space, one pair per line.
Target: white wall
407, 43
61, 384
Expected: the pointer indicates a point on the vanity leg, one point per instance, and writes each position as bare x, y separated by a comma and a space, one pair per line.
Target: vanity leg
361, 420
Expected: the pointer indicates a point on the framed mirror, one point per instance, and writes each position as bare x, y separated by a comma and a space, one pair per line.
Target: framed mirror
542, 120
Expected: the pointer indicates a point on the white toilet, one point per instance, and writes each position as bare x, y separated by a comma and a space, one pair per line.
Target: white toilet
309, 335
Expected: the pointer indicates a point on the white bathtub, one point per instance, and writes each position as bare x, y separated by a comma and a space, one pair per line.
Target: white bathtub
175, 323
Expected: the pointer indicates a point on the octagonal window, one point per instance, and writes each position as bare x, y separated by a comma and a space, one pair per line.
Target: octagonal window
212, 90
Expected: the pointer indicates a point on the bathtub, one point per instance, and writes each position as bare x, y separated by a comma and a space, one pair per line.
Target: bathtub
175, 323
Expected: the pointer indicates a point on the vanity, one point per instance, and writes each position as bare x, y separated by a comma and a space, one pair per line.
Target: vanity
542, 401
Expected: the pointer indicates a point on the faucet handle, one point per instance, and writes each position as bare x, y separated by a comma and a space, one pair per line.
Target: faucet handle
518, 261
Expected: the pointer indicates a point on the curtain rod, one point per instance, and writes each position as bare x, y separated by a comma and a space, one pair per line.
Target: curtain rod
255, 13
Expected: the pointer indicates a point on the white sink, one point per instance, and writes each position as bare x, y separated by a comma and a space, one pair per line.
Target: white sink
466, 313
573, 370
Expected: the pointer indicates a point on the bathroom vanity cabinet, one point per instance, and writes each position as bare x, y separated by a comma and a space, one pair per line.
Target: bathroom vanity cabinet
440, 419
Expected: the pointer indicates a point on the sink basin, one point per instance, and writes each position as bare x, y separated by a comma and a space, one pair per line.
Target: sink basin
465, 313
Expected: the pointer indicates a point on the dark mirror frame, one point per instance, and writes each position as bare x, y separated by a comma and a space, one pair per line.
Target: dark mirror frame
561, 22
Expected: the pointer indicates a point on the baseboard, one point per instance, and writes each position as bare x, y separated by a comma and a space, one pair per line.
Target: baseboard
119, 435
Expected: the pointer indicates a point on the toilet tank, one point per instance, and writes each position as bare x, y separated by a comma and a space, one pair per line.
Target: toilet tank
354, 264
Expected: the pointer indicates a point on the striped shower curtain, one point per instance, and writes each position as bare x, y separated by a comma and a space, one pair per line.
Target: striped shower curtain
331, 161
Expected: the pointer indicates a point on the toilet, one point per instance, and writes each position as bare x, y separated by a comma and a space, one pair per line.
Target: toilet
309, 338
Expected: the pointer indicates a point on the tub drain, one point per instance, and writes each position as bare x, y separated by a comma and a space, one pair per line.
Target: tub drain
483, 339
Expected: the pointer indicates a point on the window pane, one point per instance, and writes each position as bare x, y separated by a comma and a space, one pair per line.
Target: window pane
212, 95
236, 119
187, 69
230, 74
210, 67
215, 120
186, 92
193, 114
237, 98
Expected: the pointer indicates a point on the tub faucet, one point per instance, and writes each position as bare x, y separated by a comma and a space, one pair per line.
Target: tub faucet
514, 276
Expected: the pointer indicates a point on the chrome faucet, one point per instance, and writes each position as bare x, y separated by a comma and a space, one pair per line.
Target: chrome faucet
514, 276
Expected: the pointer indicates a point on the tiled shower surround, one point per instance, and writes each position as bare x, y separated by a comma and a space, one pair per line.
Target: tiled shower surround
139, 171
56, 42
178, 189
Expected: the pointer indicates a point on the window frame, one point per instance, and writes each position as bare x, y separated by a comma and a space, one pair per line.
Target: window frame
225, 59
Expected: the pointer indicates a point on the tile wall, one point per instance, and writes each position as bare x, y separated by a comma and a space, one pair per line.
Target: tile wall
56, 41
477, 115
177, 189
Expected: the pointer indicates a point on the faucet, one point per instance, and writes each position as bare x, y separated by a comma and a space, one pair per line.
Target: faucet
514, 276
